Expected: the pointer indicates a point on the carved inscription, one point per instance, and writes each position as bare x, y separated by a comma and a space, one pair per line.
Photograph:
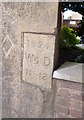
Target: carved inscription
37, 59
46, 61
31, 58
30, 73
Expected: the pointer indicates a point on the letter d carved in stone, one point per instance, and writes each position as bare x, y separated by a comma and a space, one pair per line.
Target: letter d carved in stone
46, 61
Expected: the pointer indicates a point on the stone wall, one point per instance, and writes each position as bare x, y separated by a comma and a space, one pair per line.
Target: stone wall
28, 43
29, 28
69, 99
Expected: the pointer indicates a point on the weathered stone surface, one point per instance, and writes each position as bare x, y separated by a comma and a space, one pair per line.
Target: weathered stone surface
75, 94
69, 71
63, 101
62, 109
38, 59
68, 102
21, 100
0, 61
70, 85
49, 102
64, 92
33, 16
41, 17
76, 104
62, 115
76, 113
24, 17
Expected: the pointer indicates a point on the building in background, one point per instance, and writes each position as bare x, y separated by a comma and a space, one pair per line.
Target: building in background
71, 19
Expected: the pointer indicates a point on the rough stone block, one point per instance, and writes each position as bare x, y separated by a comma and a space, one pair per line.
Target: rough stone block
76, 113
64, 92
62, 109
69, 95
76, 104
62, 115
63, 101
26, 100
77, 95
38, 54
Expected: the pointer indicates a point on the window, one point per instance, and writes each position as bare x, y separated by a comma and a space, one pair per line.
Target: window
73, 22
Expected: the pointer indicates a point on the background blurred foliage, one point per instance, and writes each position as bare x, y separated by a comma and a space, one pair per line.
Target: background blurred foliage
68, 37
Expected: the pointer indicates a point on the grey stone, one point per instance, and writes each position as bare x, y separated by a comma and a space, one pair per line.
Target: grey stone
21, 99
38, 59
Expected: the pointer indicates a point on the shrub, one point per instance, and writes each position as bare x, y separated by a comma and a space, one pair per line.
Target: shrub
80, 58
68, 37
